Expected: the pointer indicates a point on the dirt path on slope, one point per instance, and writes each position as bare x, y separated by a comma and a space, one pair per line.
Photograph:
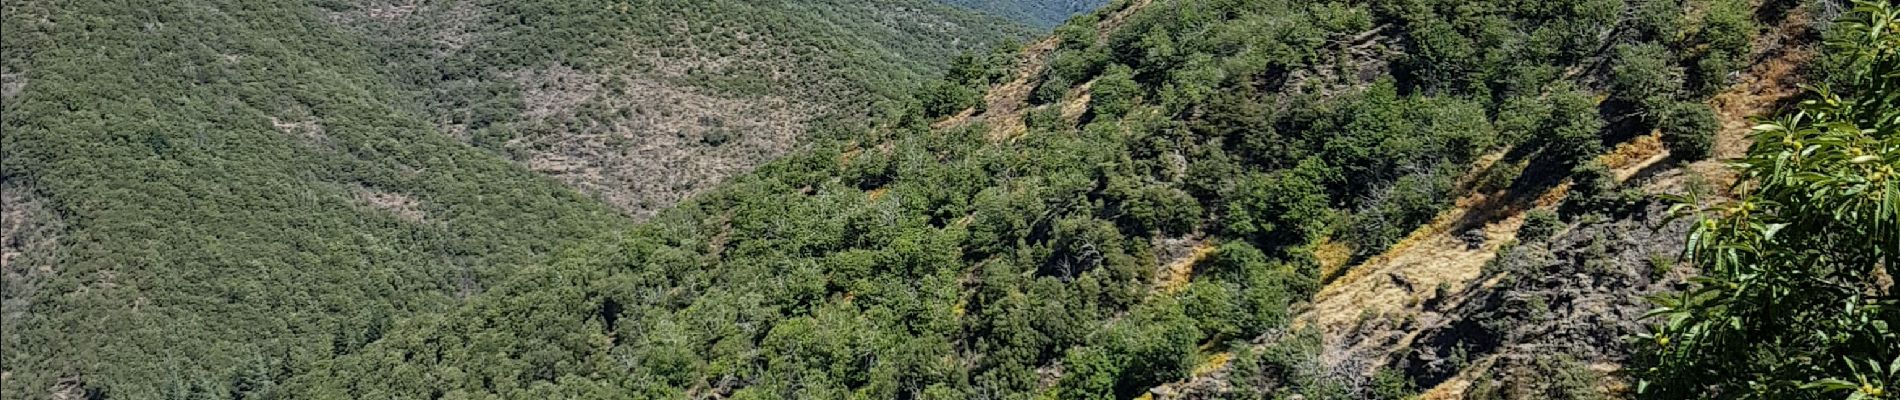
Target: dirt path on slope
1005, 103
1768, 84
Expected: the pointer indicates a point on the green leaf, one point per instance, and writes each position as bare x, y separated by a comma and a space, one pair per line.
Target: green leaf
1831, 384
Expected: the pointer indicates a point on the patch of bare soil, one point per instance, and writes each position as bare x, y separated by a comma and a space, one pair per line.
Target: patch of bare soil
1179, 257
402, 205
1005, 103
447, 25
1771, 81
304, 128
11, 84
643, 144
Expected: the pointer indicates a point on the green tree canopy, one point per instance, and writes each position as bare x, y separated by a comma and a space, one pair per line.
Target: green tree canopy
1788, 304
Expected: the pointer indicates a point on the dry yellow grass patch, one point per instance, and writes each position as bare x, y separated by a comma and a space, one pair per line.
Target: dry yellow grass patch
1396, 282
1213, 363
1455, 388
1630, 157
1332, 256
1177, 274
962, 118
1553, 196
845, 158
1762, 88
1004, 104
1077, 103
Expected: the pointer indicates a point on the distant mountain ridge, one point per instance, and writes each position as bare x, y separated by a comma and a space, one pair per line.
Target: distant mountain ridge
1039, 13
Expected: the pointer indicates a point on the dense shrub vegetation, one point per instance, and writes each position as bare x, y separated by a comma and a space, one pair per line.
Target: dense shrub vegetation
253, 187
906, 261
1688, 129
261, 206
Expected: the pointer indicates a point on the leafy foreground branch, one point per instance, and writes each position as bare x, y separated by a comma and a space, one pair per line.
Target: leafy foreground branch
1796, 298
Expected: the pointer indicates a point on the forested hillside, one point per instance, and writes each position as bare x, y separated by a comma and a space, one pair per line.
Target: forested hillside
1041, 13
1156, 194
204, 198
1253, 199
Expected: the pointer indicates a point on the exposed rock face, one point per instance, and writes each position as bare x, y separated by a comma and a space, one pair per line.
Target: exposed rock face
1575, 297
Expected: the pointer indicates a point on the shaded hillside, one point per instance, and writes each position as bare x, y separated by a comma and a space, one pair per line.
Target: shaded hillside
238, 199
205, 198
1040, 13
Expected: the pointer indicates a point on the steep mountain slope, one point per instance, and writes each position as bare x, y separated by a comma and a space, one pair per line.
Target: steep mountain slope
1565, 304
204, 198
1158, 191
1040, 13
1165, 198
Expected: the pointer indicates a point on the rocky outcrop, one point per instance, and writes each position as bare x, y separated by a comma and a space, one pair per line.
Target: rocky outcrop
1574, 298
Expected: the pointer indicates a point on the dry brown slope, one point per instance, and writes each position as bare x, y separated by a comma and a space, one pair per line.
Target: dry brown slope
1766, 84
1404, 283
